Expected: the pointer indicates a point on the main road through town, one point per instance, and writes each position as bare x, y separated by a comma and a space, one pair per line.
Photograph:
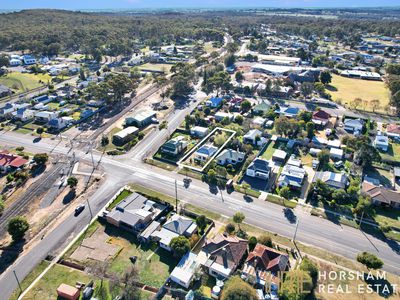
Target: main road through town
129, 168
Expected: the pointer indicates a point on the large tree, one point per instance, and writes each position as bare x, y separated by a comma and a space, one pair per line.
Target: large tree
325, 77
180, 246
40, 158
366, 155
238, 218
370, 260
237, 289
17, 227
182, 80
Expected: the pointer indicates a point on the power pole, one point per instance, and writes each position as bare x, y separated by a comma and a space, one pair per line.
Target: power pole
295, 232
19, 284
362, 216
176, 196
90, 211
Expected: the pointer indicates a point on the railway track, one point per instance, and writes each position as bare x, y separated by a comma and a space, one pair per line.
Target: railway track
136, 100
36, 189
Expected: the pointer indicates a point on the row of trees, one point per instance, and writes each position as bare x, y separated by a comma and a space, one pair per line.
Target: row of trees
112, 89
393, 83
98, 34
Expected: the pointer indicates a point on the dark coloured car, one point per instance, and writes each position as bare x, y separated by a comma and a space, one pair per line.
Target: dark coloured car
79, 209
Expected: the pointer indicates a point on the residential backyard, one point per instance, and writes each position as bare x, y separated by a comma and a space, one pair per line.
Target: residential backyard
393, 152
104, 242
345, 90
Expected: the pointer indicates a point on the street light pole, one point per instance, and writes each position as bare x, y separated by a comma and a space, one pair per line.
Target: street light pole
176, 196
19, 284
90, 210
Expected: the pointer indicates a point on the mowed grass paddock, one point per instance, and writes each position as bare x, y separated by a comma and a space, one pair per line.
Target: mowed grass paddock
20, 82
345, 90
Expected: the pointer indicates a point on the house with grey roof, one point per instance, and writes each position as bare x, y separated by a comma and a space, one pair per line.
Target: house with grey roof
176, 226
259, 168
333, 180
135, 213
140, 118
4, 91
381, 142
229, 156
254, 137
292, 176
24, 114
174, 146
353, 125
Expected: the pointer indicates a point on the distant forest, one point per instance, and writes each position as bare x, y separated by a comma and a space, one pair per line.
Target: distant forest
55, 31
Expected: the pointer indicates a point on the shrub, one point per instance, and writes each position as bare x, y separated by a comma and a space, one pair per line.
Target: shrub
230, 228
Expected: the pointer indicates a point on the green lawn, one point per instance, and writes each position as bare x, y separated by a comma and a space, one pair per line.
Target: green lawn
393, 152
30, 278
54, 105
124, 194
46, 288
110, 145
20, 82
153, 264
347, 89
156, 67
208, 47
386, 215
272, 146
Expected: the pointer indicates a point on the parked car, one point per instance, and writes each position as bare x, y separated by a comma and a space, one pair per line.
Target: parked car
339, 164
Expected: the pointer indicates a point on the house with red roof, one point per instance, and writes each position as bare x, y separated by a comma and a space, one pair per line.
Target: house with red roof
381, 195
10, 161
393, 130
265, 263
320, 117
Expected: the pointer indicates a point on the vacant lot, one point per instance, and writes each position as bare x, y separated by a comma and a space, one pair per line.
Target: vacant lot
20, 82
156, 67
347, 89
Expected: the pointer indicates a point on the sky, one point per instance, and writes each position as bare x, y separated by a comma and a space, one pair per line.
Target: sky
139, 4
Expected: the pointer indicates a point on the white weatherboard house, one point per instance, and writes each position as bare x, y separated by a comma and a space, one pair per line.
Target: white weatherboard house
336, 153
254, 137
229, 156
199, 131
219, 116
259, 168
205, 152
353, 125
184, 272
381, 142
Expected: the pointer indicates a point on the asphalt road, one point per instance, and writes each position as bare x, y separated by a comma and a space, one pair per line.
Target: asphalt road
342, 240
314, 231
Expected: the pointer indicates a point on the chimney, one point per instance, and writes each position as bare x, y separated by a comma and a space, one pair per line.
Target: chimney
225, 257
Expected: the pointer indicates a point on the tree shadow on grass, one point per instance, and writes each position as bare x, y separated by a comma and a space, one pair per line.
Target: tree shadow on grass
334, 218
377, 233
381, 286
331, 88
